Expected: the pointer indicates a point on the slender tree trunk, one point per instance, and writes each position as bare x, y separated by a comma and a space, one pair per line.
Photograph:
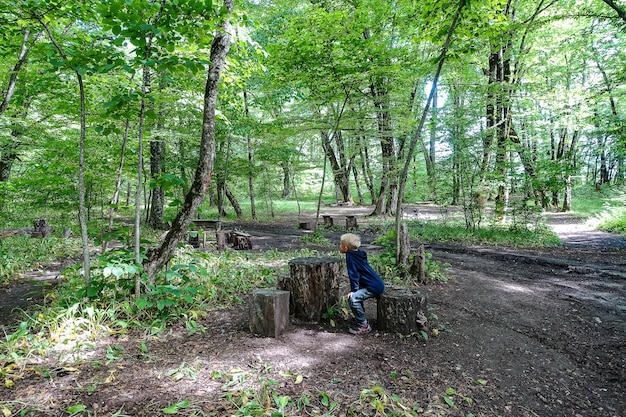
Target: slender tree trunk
21, 60
233, 202
157, 257
418, 133
250, 159
365, 167
81, 158
286, 179
118, 182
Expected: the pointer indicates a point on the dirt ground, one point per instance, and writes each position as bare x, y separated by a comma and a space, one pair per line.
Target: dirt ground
522, 333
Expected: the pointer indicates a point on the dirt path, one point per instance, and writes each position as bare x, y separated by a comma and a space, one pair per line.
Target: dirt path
522, 334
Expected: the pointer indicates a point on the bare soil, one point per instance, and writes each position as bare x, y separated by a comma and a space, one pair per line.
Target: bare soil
522, 333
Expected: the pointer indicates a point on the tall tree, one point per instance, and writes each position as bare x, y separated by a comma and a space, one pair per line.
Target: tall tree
156, 258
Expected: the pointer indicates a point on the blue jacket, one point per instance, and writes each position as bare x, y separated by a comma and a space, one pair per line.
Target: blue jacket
361, 274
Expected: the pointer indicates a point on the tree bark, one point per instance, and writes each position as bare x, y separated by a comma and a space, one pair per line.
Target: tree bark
315, 286
401, 310
157, 257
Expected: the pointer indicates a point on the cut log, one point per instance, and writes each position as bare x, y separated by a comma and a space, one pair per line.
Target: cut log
42, 229
305, 226
351, 222
401, 310
315, 286
269, 312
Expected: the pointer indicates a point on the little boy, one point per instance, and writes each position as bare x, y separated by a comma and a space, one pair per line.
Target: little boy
364, 281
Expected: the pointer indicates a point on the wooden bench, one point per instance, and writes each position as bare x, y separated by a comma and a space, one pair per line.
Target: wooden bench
206, 224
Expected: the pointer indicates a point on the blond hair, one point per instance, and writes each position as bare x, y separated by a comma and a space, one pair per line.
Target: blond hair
350, 241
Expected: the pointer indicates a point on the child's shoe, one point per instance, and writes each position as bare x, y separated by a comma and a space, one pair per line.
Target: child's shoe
360, 328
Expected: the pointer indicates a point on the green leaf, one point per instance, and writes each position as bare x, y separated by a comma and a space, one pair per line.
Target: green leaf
480, 381
76, 408
448, 400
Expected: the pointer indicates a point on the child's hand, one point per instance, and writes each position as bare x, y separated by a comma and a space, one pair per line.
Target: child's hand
350, 294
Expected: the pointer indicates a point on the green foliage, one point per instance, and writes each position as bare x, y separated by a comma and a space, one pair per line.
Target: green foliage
316, 238
385, 263
491, 235
613, 220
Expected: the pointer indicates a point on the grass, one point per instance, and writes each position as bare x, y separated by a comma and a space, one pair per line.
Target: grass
605, 208
490, 235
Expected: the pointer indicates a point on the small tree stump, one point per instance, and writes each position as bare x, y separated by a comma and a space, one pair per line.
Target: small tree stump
418, 267
351, 222
269, 312
305, 226
314, 284
328, 221
401, 310
42, 229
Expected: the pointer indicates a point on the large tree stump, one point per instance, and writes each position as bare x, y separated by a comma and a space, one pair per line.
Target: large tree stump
42, 229
401, 310
314, 284
269, 312
240, 240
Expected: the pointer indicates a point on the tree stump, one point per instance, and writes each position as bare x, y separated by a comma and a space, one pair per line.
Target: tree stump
269, 312
314, 284
328, 221
42, 229
240, 240
418, 267
305, 225
401, 310
351, 222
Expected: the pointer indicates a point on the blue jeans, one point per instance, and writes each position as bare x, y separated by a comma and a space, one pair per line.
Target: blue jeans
356, 304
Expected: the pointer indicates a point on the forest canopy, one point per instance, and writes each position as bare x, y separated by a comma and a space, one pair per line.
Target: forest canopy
528, 104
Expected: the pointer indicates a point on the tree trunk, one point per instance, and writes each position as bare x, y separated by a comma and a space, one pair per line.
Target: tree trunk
81, 158
250, 160
157, 156
157, 257
341, 173
233, 202
418, 133
118, 183
286, 179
